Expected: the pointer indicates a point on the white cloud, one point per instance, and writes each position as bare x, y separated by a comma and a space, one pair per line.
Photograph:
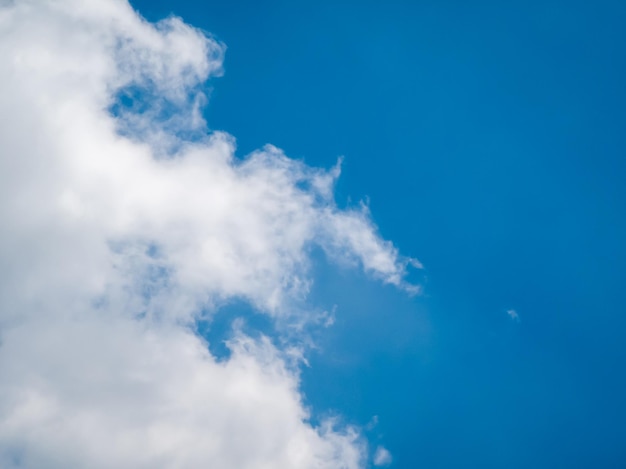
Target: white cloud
513, 314
117, 234
382, 457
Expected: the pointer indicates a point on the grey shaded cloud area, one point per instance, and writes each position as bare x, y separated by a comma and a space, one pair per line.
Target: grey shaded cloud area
118, 232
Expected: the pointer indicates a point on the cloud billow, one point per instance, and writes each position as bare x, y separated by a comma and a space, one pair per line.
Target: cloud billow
119, 231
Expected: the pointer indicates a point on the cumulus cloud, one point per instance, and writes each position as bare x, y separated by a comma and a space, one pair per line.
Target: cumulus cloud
124, 222
382, 457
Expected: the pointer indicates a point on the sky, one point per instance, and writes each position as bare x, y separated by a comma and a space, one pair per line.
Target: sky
312, 234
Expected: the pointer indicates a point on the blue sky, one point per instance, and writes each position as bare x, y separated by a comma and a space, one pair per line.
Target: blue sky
489, 142
169, 299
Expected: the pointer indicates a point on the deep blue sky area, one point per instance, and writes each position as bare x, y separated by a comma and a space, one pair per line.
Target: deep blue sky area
490, 141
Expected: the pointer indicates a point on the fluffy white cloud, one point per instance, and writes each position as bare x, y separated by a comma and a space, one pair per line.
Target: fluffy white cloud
119, 231
102, 394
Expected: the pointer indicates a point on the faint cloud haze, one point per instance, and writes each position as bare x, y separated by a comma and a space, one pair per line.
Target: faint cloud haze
513, 314
382, 457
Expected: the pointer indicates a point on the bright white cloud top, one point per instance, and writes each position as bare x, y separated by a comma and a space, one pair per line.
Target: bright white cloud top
118, 232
